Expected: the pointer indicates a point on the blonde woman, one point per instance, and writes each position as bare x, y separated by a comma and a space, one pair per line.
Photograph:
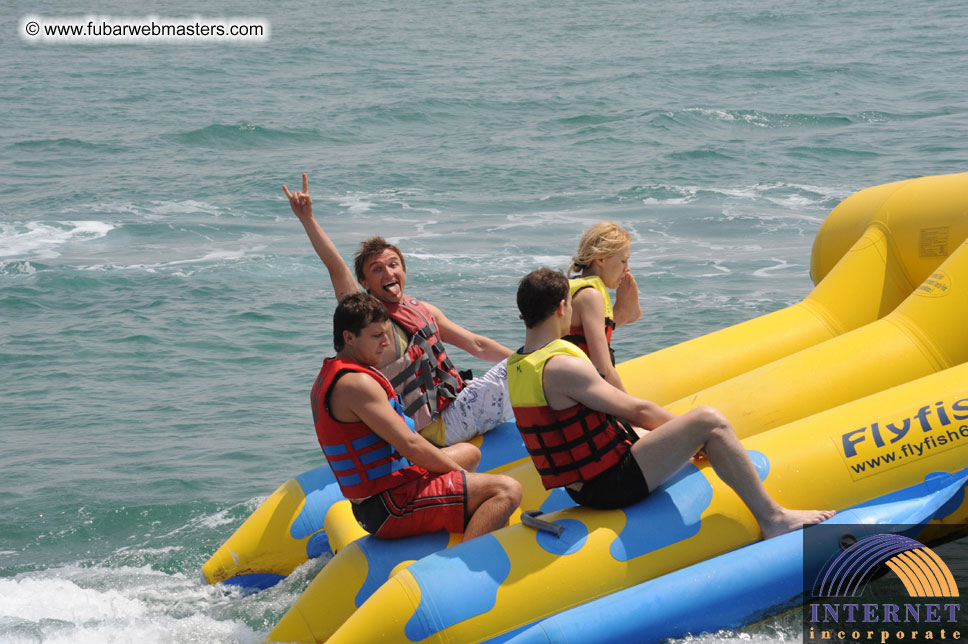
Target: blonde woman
602, 263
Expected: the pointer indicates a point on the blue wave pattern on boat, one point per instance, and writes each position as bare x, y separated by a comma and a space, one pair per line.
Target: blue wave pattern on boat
557, 500
570, 541
382, 555
677, 506
482, 564
321, 492
501, 445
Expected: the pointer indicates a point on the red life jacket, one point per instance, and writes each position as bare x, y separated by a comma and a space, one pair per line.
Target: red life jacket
576, 334
566, 445
424, 376
364, 463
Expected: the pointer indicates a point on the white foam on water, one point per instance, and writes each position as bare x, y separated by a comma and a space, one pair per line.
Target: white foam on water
219, 518
126, 604
357, 204
211, 258
223, 517
718, 266
750, 192
17, 268
363, 202
214, 256
406, 206
147, 211
672, 201
732, 637
189, 206
582, 217
61, 599
551, 260
189, 630
438, 257
41, 240
793, 196
780, 265
398, 241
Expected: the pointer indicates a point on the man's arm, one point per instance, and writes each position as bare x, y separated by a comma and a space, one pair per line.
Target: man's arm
339, 273
361, 396
478, 346
591, 311
569, 380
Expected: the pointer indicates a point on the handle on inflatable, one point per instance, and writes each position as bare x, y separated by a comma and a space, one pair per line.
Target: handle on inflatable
530, 519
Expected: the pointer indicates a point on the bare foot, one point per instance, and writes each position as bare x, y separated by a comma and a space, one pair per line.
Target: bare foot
790, 520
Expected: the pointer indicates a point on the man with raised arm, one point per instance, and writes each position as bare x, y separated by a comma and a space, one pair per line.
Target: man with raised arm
365, 437
446, 408
567, 414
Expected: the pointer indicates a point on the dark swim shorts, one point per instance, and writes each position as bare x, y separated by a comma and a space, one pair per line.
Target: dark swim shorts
620, 485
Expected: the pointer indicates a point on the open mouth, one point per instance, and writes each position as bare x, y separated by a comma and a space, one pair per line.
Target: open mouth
393, 288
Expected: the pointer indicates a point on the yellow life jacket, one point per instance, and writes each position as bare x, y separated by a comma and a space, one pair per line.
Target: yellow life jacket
576, 334
566, 445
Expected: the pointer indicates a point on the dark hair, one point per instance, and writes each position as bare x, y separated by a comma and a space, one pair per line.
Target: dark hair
354, 313
370, 247
539, 294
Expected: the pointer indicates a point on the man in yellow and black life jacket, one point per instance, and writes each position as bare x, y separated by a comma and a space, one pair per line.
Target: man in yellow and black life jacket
399, 483
446, 407
569, 417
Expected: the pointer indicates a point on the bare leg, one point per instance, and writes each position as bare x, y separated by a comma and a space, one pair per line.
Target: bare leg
663, 451
491, 498
466, 455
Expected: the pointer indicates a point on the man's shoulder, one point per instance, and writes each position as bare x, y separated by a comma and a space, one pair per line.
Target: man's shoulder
358, 383
408, 301
569, 367
435, 310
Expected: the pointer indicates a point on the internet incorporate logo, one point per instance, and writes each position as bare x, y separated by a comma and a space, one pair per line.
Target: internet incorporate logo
922, 572
917, 599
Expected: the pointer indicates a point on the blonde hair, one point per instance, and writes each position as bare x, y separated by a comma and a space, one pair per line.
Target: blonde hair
604, 239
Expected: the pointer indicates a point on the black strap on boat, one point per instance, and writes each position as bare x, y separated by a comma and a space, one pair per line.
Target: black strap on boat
530, 519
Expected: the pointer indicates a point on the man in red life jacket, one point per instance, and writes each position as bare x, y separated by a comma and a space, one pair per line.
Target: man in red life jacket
446, 408
567, 414
366, 437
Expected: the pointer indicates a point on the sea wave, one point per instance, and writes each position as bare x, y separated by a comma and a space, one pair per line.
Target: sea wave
817, 199
35, 239
63, 145
244, 135
101, 604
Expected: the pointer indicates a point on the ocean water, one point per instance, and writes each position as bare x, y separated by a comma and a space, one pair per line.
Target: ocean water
162, 315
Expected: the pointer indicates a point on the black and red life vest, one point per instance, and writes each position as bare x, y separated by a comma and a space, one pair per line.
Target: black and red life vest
566, 445
576, 334
424, 376
364, 463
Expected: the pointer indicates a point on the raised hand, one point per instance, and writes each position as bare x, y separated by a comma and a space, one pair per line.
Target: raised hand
300, 202
627, 308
